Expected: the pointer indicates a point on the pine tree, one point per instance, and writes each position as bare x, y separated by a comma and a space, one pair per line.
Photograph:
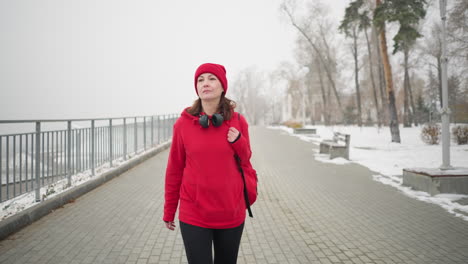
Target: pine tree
407, 13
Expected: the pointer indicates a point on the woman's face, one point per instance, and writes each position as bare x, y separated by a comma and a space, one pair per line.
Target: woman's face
209, 87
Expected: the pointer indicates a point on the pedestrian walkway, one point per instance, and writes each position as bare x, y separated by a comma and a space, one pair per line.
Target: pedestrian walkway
307, 212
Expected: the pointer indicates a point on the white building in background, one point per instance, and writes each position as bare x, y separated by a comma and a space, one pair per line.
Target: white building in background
286, 113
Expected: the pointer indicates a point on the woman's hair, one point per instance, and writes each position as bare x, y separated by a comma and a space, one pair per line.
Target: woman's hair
226, 107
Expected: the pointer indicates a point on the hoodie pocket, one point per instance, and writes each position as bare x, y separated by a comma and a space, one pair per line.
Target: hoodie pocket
219, 202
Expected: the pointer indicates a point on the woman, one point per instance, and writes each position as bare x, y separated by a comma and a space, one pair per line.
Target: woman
202, 172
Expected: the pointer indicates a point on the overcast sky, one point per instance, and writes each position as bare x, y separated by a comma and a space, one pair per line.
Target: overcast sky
101, 58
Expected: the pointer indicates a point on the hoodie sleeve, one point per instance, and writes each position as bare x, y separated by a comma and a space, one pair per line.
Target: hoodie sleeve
242, 144
174, 172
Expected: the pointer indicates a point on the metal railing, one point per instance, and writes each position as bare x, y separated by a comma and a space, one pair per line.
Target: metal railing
29, 161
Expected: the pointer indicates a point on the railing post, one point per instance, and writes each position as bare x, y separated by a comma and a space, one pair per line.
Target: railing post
8, 167
38, 161
101, 145
152, 131
136, 137
92, 149
159, 130
110, 142
165, 127
48, 159
78, 151
168, 120
69, 147
144, 132
172, 125
72, 147
32, 161
1, 161
125, 138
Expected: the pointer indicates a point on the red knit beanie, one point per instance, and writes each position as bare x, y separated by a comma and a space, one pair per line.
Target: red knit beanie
216, 69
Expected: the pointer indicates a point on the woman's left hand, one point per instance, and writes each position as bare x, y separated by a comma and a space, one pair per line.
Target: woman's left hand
232, 135
170, 225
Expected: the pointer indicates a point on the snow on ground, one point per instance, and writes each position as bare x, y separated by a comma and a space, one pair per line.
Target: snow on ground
24, 201
372, 147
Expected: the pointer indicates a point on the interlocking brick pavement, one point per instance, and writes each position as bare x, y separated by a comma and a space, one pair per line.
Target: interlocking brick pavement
307, 212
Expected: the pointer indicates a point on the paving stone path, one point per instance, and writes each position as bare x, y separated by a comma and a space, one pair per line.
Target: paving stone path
307, 212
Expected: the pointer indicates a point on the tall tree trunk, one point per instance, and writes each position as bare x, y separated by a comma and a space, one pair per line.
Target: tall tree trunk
324, 63
371, 71
407, 114
382, 83
324, 95
310, 96
329, 72
413, 108
329, 99
356, 77
394, 129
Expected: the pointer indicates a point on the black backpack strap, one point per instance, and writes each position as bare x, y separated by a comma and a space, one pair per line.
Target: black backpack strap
246, 196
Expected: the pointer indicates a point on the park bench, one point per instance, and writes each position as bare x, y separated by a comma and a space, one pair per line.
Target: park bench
337, 147
305, 131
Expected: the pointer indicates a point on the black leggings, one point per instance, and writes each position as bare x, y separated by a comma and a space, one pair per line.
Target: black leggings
199, 241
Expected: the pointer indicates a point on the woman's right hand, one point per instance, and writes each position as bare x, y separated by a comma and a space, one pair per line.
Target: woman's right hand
170, 225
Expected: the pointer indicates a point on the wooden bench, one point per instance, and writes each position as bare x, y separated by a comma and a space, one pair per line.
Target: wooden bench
337, 147
305, 131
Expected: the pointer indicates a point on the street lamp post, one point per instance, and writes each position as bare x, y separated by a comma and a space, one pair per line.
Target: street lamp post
445, 111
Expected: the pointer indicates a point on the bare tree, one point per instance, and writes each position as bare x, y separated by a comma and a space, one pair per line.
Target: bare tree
432, 51
350, 26
325, 58
458, 29
409, 116
315, 83
275, 96
323, 89
250, 100
294, 87
365, 23
366, 11
458, 52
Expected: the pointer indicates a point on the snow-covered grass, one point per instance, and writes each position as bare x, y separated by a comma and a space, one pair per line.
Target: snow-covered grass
372, 147
24, 201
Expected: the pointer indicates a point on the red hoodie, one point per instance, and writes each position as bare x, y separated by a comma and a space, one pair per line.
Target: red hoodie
202, 173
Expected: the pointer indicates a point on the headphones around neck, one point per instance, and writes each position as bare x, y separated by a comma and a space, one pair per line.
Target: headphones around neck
216, 120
